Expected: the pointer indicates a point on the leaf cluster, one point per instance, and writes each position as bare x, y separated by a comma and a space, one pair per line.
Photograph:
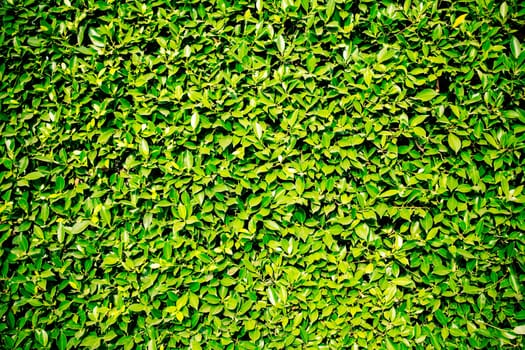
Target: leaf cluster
269, 174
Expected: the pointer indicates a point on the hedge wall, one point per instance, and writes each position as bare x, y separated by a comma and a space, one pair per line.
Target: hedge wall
262, 175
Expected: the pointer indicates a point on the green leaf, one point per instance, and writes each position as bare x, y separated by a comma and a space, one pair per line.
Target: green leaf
503, 10
440, 316
271, 225
181, 209
80, 227
472, 289
110, 260
299, 185
491, 140
144, 148
427, 222
42, 337
188, 160
96, 38
88, 51
194, 120
62, 341
311, 62
403, 281
34, 41
106, 215
205, 258
147, 220
441, 271
417, 120
182, 301
137, 308
187, 51
143, 79
514, 281
24, 243
35, 175
515, 47
385, 54
272, 296
194, 300
330, 7
91, 341
281, 44
258, 130
426, 95
456, 332
454, 142
194, 344
362, 231
245, 307
389, 193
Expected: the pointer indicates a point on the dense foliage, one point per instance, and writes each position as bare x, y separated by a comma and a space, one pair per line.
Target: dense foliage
268, 174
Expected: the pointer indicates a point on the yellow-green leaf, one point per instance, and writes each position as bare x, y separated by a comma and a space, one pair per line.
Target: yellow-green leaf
459, 20
403, 281
194, 120
272, 296
515, 47
144, 147
426, 95
281, 44
271, 225
454, 142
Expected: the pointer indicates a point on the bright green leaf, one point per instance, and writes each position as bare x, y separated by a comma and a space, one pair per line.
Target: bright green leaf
454, 142
515, 47
426, 95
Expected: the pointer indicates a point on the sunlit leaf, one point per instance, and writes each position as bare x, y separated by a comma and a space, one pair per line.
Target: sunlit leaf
459, 20
454, 142
426, 95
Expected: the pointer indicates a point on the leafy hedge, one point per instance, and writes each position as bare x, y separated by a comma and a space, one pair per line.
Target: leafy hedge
268, 174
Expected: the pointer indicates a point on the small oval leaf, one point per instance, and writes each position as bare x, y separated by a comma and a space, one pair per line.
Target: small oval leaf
454, 142
459, 20
426, 95
281, 44
195, 120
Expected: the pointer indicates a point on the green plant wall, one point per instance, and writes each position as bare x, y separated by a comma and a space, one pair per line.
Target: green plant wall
262, 174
